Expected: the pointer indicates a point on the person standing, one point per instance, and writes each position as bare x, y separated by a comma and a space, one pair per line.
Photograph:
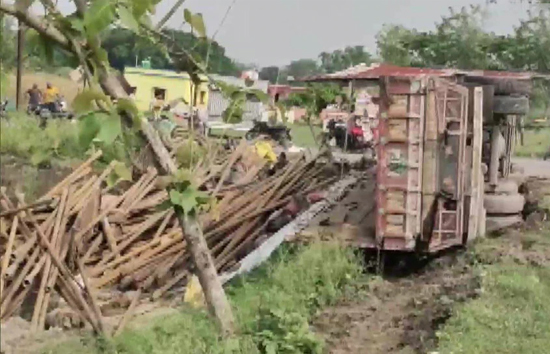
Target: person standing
51, 95
35, 98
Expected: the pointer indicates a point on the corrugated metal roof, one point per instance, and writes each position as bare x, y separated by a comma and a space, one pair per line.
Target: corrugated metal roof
375, 71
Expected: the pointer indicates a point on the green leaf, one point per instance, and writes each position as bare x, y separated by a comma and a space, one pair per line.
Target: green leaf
110, 129
84, 101
146, 21
139, 8
88, 127
102, 55
99, 16
127, 19
127, 105
122, 171
77, 24
196, 22
187, 199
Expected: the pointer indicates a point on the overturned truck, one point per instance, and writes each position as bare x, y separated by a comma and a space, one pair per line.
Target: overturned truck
444, 175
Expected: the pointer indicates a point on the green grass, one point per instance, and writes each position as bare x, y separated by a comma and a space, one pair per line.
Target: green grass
272, 306
302, 137
301, 134
537, 143
21, 136
512, 315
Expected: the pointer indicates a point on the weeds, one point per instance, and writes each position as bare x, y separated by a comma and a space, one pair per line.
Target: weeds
537, 143
512, 315
273, 306
22, 136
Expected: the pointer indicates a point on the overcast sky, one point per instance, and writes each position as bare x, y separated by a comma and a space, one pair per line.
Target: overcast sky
274, 32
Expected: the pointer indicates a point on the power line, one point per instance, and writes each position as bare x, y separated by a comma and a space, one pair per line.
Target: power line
218, 30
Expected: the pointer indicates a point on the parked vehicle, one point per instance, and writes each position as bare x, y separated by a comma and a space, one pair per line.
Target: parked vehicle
279, 133
44, 110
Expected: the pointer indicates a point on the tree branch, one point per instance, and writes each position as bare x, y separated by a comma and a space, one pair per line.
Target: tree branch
37, 24
168, 15
80, 7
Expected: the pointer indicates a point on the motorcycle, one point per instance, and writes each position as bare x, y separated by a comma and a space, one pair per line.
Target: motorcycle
45, 111
355, 139
279, 133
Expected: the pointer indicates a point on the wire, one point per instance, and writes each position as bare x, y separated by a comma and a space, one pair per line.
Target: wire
218, 30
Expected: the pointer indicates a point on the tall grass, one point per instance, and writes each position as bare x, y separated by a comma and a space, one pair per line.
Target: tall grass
512, 315
22, 136
536, 143
272, 307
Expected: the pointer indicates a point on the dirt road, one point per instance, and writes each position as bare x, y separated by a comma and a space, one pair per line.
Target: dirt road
533, 167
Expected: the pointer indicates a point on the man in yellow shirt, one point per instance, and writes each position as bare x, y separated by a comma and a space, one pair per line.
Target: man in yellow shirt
50, 97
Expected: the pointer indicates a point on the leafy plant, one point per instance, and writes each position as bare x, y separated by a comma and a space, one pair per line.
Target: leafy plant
281, 332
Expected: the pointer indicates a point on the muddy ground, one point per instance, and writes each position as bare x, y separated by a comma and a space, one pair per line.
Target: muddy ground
402, 311
17, 174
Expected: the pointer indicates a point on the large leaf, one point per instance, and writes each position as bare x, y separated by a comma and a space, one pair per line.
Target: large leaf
127, 105
99, 16
128, 19
110, 129
88, 127
84, 101
77, 24
122, 171
188, 199
196, 22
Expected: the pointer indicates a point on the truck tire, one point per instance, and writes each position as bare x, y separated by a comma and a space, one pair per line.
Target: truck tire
496, 223
511, 105
519, 178
503, 187
502, 204
504, 86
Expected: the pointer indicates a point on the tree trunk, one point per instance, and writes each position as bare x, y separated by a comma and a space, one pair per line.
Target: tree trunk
214, 294
211, 285
216, 300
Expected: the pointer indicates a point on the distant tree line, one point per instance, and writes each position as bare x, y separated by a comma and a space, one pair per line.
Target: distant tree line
124, 48
458, 41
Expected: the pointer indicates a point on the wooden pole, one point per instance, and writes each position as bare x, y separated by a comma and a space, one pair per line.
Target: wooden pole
20, 44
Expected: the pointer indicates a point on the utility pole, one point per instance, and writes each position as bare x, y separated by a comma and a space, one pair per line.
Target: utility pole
20, 44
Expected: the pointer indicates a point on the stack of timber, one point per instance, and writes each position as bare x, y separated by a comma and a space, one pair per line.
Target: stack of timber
85, 238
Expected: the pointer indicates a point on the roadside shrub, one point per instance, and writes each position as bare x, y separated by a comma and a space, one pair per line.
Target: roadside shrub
22, 136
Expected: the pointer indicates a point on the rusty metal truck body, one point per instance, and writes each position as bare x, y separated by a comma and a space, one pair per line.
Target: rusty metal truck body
429, 177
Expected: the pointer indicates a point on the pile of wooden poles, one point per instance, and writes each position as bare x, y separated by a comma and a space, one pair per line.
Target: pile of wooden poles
84, 236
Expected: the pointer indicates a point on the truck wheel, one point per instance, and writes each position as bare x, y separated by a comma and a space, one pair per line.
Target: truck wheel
495, 223
503, 187
503, 204
519, 178
504, 87
511, 105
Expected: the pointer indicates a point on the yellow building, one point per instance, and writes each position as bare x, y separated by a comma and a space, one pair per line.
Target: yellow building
169, 84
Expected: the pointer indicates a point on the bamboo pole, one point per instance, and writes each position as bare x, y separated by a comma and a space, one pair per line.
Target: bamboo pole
128, 314
57, 234
9, 248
